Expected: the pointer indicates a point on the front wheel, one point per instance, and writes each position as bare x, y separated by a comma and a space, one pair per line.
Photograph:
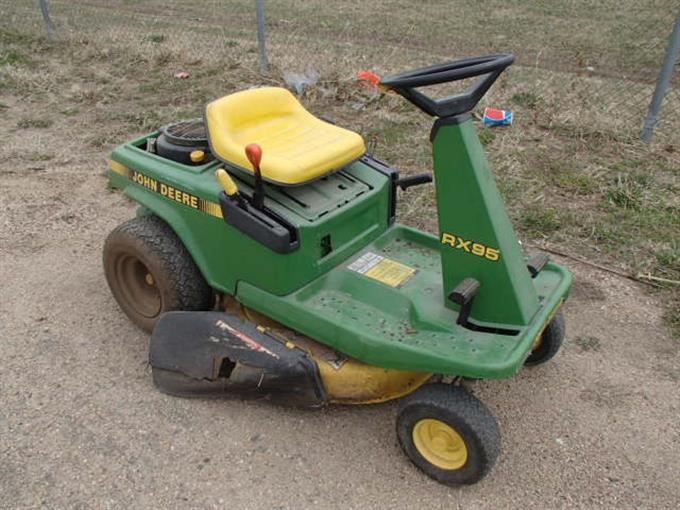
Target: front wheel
448, 433
549, 342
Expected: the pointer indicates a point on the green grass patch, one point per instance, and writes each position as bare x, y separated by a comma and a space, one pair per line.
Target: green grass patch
41, 157
13, 58
671, 316
625, 193
8, 37
603, 233
70, 112
510, 190
669, 259
486, 136
588, 343
580, 183
538, 221
155, 38
34, 122
527, 99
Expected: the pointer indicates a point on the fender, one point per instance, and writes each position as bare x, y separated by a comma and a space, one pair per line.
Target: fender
177, 222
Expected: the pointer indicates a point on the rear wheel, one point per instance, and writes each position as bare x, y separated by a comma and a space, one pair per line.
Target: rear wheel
150, 272
549, 343
448, 433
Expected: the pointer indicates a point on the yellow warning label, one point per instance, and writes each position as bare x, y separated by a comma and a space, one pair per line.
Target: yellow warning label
387, 271
390, 272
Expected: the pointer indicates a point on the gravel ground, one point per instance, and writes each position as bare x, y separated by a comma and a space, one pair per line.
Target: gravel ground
81, 425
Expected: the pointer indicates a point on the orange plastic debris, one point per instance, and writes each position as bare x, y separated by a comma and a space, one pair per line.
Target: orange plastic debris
370, 77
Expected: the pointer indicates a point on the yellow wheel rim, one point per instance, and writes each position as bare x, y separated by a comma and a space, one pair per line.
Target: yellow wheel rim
440, 444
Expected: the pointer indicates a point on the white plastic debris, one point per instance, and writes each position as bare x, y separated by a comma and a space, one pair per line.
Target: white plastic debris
301, 81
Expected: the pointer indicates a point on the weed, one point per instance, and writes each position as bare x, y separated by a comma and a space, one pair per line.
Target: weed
625, 192
13, 58
538, 221
155, 38
41, 157
588, 343
510, 190
486, 136
148, 88
671, 317
394, 132
583, 184
629, 166
165, 57
669, 259
7, 37
528, 99
33, 122
586, 133
604, 232
149, 121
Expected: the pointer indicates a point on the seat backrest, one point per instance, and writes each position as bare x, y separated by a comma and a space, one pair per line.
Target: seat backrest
230, 118
236, 111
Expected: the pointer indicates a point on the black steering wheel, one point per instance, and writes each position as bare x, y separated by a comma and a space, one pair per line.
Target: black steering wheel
488, 67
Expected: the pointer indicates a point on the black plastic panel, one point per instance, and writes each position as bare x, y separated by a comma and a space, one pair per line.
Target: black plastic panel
264, 226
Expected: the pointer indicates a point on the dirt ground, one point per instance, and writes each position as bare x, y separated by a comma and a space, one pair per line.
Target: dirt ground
81, 425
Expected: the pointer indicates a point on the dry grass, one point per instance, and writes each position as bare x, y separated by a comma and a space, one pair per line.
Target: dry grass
573, 179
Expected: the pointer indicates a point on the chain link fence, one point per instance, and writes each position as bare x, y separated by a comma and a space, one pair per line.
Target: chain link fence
595, 63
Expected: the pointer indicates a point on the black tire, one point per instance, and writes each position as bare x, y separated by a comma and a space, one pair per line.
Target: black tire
149, 272
550, 343
471, 420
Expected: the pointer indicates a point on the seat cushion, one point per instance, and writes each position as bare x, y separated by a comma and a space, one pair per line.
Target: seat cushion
297, 147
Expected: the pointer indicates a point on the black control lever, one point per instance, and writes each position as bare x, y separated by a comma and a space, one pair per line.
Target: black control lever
413, 180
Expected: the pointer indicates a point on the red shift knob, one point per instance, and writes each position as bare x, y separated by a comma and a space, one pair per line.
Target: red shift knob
254, 154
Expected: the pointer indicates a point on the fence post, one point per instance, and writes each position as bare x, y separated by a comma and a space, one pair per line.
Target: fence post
662, 82
261, 42
45, 8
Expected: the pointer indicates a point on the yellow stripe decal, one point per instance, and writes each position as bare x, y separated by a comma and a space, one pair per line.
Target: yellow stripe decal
167, 191
119, 169
211, 208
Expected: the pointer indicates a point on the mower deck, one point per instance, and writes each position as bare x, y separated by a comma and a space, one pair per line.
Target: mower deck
391, 314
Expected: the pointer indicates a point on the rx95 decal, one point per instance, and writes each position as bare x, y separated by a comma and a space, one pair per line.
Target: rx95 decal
470, 246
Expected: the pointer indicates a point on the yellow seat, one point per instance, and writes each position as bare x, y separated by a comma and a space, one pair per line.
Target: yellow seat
296, 146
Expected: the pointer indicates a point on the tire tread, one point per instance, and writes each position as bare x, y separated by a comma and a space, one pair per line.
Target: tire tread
455, 403
185, 287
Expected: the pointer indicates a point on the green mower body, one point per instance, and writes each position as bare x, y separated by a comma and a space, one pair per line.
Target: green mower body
357, 281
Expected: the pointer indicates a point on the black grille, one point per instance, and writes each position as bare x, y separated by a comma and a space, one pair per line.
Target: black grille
189, 133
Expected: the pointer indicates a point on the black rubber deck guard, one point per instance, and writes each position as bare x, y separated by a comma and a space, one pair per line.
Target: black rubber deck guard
214, 354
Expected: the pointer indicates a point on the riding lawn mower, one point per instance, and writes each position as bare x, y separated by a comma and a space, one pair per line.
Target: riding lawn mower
266, 262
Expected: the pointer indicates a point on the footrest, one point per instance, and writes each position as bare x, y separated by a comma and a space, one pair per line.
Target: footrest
536, 263
463, 294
